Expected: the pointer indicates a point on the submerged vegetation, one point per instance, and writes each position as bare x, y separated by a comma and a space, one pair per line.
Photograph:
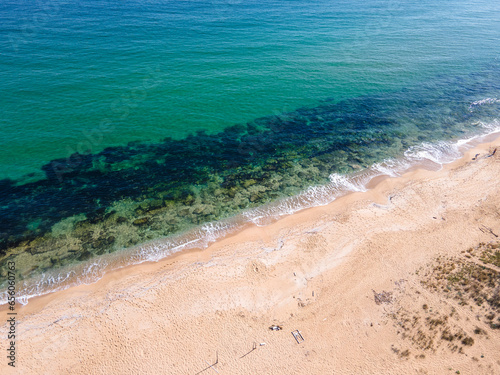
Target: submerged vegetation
92, 204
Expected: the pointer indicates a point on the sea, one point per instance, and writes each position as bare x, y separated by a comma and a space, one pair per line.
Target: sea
134, 129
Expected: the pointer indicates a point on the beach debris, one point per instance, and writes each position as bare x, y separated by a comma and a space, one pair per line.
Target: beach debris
275, 328
382, 297
313, 231
475, 157
485, 229
251, 350
262, 344
212, 366
297, 336
493, 153
302, 303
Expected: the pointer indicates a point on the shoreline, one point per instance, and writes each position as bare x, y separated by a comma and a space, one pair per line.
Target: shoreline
301, 271
477, 141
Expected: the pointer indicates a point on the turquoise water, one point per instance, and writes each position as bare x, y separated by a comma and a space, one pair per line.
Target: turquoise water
124, 122
158, 69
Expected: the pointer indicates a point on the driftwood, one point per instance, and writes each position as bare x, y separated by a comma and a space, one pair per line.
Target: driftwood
485, 229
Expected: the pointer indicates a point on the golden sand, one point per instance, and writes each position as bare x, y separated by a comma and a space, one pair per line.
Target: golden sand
348, 276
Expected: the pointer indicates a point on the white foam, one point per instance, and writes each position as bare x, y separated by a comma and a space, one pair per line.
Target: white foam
440, 152
479, 103
344, 183
391, 167
312, 197
490, 127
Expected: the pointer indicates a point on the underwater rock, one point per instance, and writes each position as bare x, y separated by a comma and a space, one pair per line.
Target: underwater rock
149, 206
189, 200
100, 251
81, 224
41, 245
255, 197
172, 221
85, 255
231, 192
109, 214
204, 209
96, 216
141, 221
198, 210
248, 183
270, 167
34, 268
121, 219
103, 242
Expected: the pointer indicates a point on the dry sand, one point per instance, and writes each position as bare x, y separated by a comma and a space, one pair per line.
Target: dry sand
315, 271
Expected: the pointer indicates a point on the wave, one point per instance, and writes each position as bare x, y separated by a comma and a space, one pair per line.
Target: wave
479, 103
427, 155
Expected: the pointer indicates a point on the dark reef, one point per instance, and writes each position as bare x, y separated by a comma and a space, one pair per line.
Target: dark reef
167, 186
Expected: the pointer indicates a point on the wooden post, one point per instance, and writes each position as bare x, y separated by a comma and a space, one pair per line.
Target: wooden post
211, 365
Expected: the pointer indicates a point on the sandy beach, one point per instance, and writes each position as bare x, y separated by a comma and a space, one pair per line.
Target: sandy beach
359, 279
